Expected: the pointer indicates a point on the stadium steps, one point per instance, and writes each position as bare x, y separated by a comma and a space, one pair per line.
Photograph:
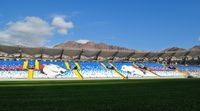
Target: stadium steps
136, 66
179, 71
116, 71
77, 65
67, 65
103, 65
30, 73
37, 65
78, 74
25, 65
75, 70
182, 72
30, 70
152, 72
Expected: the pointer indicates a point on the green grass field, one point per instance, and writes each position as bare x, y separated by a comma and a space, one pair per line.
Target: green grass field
101, 95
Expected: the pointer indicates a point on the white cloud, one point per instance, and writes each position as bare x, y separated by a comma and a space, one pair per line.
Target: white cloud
199, 39
31, 31
62, 25
82, 41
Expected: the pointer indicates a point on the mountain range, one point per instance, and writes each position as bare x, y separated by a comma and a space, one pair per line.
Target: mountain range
89, 45
93, 45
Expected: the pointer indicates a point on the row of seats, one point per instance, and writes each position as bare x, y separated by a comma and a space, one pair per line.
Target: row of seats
119, 65
156, 67
13, 69
162, 70
13, 74
95, 70
68, 74
192, 70
11, 64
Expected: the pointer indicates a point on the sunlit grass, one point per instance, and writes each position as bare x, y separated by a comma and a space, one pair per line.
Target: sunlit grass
101, 95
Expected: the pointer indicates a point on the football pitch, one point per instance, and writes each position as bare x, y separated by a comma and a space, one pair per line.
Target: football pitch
101, 95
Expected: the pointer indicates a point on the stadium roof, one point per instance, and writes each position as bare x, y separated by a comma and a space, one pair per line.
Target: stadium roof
87, 54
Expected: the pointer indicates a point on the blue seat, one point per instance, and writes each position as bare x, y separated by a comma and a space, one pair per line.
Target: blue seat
11, 64
95, 70
119, 65
12, 69
67, 74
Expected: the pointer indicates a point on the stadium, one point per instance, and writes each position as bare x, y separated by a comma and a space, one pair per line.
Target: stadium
99, 55
51, 63
61, 79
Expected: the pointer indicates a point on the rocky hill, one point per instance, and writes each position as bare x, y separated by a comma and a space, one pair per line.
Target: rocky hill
93, 45
89, 45
197, 47
175, 49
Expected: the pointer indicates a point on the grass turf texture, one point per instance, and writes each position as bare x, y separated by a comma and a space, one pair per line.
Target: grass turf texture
101, 95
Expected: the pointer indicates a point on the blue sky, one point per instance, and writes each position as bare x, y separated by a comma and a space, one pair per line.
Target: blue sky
136, 24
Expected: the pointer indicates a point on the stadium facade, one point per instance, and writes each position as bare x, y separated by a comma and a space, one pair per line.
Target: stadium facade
50, 63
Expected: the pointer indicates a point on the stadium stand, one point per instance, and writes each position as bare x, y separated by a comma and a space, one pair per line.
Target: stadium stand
67, 74
119, 67
12, 69
48, 63
162, 70
96, 70
191, 70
